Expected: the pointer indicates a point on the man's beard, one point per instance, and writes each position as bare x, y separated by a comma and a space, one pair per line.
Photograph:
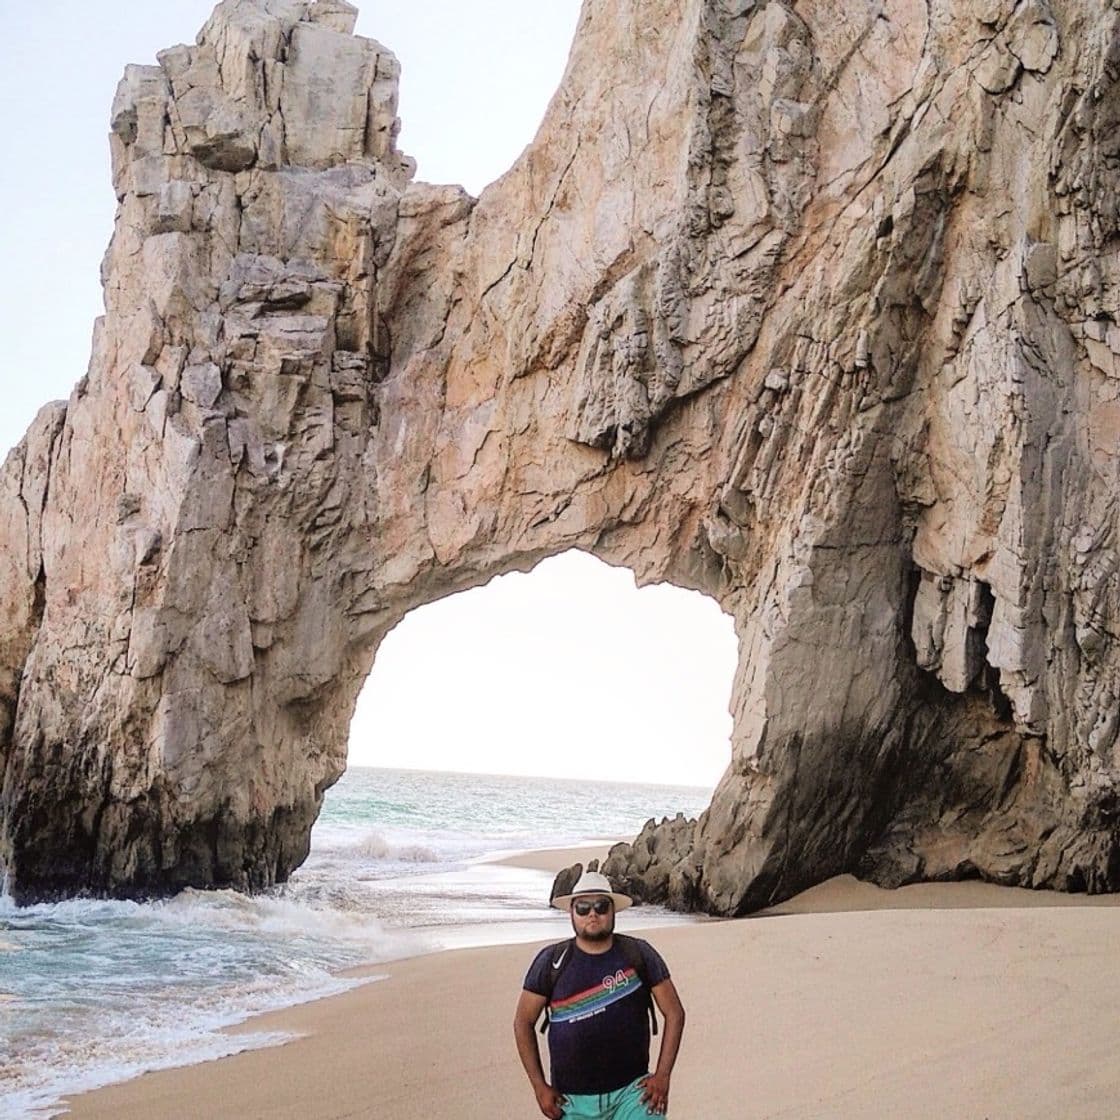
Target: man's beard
604, 934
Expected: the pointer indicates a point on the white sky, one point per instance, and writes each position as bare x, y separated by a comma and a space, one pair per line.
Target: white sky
569, 671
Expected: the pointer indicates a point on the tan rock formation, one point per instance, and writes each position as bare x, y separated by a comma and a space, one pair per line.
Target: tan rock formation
811, 306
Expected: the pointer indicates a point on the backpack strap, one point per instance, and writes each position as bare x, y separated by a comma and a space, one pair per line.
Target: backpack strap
559, 959
632, 951
561, 956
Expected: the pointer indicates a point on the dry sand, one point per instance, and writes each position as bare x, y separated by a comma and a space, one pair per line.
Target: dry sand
554, 859
959, 1001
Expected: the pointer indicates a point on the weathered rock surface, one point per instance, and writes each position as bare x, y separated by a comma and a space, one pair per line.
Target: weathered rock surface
658, 865
811, 306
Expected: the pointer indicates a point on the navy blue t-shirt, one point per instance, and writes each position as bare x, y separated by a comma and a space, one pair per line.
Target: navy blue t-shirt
598, 1038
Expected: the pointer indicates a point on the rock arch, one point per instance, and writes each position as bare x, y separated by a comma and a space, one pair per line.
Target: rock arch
810, 307
567, 671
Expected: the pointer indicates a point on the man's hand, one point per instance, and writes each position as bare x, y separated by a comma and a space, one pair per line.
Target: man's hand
655, 1088
655, 1093
550, 1102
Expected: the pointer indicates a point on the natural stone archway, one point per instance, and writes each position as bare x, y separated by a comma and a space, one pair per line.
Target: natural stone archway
810, 306
502, 679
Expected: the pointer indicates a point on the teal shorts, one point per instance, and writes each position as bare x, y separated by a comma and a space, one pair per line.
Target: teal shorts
622, 1104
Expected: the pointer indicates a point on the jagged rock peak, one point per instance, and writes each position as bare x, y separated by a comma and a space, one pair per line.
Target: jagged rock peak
267, 85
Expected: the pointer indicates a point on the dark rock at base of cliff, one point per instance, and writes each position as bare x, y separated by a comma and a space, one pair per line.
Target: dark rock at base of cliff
658, 867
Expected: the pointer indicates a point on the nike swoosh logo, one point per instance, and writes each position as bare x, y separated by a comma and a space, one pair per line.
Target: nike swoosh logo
557, 963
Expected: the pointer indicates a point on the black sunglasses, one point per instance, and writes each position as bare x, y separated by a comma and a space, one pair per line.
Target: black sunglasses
600, 906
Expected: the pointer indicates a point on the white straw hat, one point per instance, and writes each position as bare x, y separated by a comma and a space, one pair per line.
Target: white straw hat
592, 882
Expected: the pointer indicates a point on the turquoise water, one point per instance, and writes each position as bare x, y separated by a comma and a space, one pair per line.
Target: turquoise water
402, 819
94, 992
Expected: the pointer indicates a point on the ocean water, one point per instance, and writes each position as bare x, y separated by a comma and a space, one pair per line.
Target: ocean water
93, 992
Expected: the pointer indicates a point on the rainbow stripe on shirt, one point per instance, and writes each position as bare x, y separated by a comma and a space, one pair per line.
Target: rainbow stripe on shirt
584, 1004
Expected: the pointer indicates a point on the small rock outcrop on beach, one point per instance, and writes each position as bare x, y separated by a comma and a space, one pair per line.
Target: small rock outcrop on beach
812, 307
658, 866
567, 877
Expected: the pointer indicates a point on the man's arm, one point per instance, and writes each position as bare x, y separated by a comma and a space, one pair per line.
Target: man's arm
655, 1088
529, 1008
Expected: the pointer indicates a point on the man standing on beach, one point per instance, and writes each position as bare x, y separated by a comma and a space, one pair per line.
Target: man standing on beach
597, 989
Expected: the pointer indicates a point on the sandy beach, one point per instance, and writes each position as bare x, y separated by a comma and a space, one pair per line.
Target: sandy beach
950, 1000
